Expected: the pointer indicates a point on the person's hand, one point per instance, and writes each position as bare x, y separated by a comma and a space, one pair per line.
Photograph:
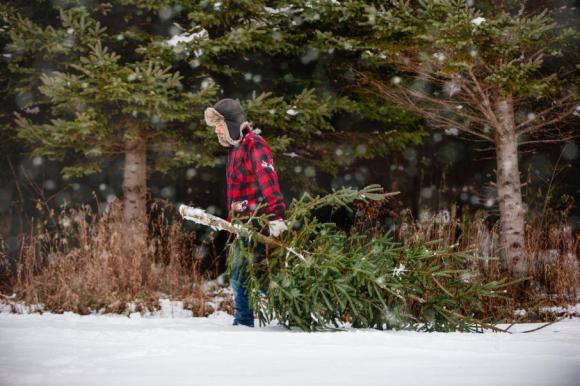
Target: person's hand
276, 227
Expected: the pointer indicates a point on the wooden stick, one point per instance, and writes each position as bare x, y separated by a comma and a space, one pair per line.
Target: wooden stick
200, 216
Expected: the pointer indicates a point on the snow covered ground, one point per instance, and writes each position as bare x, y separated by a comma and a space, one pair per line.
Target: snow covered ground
173, 349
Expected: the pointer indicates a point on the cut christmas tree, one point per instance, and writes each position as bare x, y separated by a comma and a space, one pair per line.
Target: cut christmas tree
319, 277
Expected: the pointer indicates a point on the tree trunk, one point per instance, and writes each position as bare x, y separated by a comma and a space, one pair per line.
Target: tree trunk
134, 189
509, 189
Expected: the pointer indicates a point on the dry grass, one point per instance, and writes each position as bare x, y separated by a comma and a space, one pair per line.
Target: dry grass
552, 252
82, 261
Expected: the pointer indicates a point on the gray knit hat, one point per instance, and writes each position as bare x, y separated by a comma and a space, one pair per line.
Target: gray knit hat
232, 113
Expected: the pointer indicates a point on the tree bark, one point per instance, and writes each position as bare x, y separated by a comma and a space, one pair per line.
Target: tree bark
509, 189
135, 189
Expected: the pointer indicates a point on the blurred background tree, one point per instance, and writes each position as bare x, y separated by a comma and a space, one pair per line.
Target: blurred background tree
291, 63
131, 79
489, 73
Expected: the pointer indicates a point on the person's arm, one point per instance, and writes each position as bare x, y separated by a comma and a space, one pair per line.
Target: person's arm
228, 189
266, 176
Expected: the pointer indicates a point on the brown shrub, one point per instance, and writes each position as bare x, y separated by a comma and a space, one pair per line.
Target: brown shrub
83, 261
552, 252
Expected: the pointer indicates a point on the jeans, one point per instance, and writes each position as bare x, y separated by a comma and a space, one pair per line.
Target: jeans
238, 280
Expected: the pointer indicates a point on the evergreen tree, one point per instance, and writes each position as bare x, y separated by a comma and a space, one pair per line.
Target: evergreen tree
493, 73
304, 97
318, 277
105, 97
133, 78
364, 127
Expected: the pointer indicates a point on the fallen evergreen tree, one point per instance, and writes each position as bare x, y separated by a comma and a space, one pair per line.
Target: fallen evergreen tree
318, 277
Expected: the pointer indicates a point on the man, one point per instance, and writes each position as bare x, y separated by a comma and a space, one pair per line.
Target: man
252, 183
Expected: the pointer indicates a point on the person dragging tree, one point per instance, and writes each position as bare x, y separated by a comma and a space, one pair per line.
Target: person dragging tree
252, 183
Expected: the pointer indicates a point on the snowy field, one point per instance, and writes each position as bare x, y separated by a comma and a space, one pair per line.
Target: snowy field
172, 349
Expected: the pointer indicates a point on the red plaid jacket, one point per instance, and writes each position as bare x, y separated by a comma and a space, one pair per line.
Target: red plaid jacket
252, 179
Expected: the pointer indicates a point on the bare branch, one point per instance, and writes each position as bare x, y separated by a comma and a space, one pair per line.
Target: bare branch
407, 99
556, 140
558, 118
447, 105
485, 103
555, 105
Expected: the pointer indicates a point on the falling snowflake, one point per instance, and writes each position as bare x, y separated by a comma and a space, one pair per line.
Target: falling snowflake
451, 88
570, 151
439, 56
311, 55
309, 171
477, 21
37, 161
452, 131
50, 185
207, 82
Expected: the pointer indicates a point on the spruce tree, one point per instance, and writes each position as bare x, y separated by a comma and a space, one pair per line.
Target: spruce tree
132, 78
104, 95
318, 277
363, 127
495, 73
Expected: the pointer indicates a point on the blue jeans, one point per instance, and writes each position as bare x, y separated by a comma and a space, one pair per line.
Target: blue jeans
239, 279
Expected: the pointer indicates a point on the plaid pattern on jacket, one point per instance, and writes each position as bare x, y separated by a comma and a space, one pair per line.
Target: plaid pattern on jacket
252, 179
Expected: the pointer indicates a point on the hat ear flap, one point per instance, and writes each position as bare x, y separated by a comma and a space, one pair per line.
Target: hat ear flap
212, 116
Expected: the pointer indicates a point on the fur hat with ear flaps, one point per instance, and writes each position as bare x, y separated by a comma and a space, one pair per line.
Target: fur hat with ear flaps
232, 113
